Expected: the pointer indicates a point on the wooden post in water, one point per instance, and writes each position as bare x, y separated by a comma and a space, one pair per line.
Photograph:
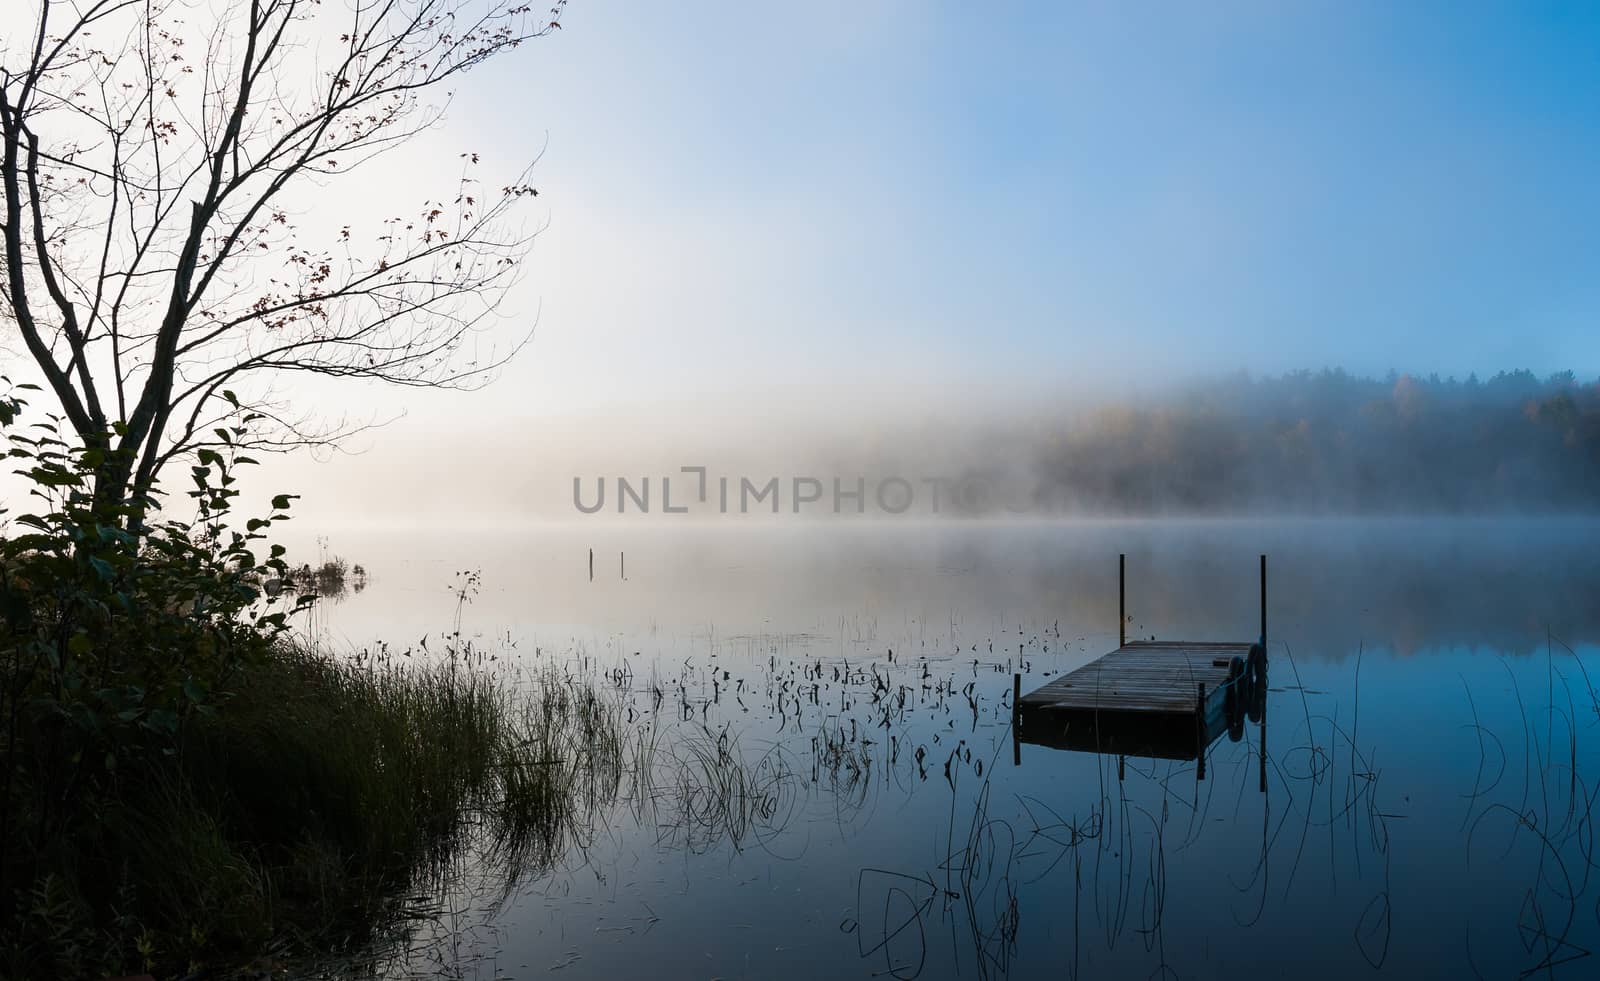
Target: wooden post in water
1263, 605
1122, 600
591, 565
1200, 731
622, 564
1016, 719
1262, 681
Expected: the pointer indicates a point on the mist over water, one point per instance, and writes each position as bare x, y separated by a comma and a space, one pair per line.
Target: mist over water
1408, 585
1308, 444
1430, 706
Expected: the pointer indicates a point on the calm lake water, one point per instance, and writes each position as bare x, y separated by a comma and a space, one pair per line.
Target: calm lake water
1432, 748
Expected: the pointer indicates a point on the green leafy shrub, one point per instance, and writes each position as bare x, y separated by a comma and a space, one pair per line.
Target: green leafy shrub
116, 638
186, 787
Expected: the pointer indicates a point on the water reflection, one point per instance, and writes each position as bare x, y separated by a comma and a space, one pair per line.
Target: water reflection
822, 789
1509, 885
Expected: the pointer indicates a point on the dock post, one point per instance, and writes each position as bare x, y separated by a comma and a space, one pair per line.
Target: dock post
1263, 604
1122, 600
591, 565
1200, 731
1016, 720
1122, 767
1262, 681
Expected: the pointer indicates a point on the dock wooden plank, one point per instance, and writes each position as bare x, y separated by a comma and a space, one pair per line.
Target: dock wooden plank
1161, 698
1156, 676
1142, 698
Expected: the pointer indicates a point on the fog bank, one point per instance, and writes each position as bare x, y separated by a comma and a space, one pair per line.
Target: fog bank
1304, 443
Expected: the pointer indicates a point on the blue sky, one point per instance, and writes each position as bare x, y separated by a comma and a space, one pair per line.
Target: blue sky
772, 196
758, 208
893, 211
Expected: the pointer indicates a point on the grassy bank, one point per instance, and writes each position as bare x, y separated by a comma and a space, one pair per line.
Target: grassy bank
184, 788
297, 818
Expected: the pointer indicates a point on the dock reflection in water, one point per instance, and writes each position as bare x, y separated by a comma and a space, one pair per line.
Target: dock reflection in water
829, 792
1168, 699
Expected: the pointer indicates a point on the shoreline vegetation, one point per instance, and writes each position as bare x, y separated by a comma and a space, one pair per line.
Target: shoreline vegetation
188, 790
191, 792
290, 826
333, 578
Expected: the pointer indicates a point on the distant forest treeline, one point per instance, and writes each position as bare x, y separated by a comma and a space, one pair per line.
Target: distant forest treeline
1333, 442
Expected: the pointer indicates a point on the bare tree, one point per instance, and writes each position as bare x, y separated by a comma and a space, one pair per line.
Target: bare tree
153, 265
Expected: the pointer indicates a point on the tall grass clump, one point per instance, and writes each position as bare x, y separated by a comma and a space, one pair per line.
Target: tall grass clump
570, 762
186, 789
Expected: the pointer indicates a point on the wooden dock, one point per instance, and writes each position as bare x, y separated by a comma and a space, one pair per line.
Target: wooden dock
1166, 699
